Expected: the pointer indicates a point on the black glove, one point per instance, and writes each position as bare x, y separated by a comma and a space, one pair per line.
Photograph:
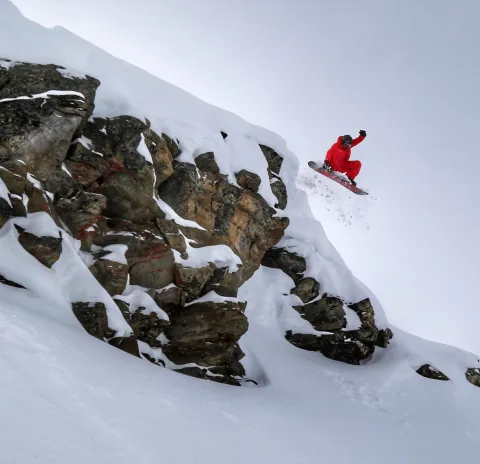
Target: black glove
326, 165
363, 133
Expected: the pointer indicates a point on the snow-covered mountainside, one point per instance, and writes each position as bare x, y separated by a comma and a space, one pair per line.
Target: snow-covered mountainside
142, 232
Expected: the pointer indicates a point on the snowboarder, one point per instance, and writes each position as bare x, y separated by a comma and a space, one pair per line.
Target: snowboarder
338, 156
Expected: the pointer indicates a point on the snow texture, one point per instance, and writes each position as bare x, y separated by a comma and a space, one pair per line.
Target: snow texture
71, 398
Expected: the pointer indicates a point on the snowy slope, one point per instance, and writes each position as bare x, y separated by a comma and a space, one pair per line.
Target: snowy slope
70, 398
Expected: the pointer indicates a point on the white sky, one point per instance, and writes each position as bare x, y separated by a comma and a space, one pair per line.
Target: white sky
404, 70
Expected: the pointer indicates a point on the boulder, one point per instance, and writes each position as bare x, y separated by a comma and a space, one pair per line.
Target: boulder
192, 280
206, 162
111, 275
307, 289
248, 180
431, 372
81, 212
38, 130
150, 259
206, 333
473, 376
232, 216
45, 249
325, 314
93, 317
289, 262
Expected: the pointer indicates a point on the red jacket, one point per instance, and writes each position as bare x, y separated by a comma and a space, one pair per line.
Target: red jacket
337, 156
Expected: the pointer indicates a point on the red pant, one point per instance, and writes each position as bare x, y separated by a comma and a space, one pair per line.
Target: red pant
350, 168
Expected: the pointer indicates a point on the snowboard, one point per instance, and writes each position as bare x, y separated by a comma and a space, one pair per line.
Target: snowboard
337, 178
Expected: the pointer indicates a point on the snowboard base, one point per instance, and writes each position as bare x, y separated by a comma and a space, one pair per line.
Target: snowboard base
337, 178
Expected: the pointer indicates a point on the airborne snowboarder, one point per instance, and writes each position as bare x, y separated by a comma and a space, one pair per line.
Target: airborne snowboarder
337, 160
338, 156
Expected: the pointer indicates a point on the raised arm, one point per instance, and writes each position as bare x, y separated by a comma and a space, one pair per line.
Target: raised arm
360, 138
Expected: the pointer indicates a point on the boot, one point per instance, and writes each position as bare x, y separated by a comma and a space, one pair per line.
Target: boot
352, 182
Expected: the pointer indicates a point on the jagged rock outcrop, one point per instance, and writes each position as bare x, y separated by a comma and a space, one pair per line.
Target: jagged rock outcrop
112, 184
232, 216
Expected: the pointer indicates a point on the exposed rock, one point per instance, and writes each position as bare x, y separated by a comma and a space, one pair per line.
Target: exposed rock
169, 299
206, 162
147, 326
85, 165
6, 211
129, 180
325, 314
248, 180
226, 283
171, 232
306, 289
224, 134
274, 160
93, 317
39, 130
232, 216
45, 249
172, 145
473, 376
279, 189
38, 201
192, 280
127, 344
148, 255
431, 373
81, 212
111, 275
206, 334
15, 183
290, 263
10, 283
368, 331
384, 337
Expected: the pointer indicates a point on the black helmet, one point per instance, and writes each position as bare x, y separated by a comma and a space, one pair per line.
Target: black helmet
347, 139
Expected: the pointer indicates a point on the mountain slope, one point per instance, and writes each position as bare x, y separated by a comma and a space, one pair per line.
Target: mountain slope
72, 398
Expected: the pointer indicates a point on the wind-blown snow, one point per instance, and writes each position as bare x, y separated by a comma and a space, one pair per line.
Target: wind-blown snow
71, 398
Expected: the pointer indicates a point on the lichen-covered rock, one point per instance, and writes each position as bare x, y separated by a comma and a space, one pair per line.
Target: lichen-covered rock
431, 372
384, 337
173, 145
248, 180
368, 332
277, 185
123, 159
232, 216
325, 314
45, 249
206, 333
306, 289
279, 189
193, 279
112, 275
149, 257
206, 162
290, 263
93, 317
38, 130
169, 299
15, 183
147, 326
172, 234
81, 212
473, 376
274, 160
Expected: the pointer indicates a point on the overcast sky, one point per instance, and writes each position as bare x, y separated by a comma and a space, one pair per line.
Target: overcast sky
406, 71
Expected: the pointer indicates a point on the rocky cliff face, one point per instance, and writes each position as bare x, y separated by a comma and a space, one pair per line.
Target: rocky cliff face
146, 223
